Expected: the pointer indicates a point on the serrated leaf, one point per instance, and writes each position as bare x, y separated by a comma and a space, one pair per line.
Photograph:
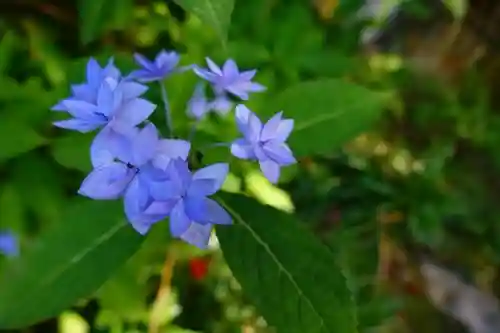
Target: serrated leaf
327, 113
291, 277
67, 263
17, 138
215, 13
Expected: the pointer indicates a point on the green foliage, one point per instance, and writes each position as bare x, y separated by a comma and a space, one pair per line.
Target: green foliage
214, 13
293, 279
66, 263
327, 113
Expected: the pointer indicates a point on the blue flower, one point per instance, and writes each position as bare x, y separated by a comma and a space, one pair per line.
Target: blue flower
114, 106
88, 91
127, 165
229, 79
192, 212
8, 244
199, 105
265, 143
163, 66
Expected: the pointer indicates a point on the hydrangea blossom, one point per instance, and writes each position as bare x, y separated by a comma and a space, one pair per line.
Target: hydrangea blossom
8, 244
228, 79
163, 66
265, 143
188, 194
95, 75
135, 154
131, 161
114, 106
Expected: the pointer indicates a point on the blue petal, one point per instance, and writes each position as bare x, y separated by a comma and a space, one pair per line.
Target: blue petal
81, 109
167, 60
93, 72
279, 152
216, 173
9, 244
271, 170
179, 221
84, 92
131, 90
144, 62
197, 235
135, 112
205, 74
107, 182
206, 211
241, 148
144, 145
230, 70
168, 149
248, 123
179, 172
136, 200
213, 66
221, 104
79, 125
277, 129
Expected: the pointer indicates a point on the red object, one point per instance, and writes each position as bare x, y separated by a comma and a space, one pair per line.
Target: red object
199, 268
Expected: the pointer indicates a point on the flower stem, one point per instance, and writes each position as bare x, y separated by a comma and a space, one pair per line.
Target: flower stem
166, 105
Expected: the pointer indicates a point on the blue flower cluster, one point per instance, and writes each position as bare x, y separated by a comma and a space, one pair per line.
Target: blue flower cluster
150, 173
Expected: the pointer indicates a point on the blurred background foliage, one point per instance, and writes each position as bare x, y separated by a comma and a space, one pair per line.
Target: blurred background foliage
425, 180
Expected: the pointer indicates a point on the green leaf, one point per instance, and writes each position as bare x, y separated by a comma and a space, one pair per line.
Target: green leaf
327, 113
67, 263
98, 15
12, 208
6, 47
17, 139
215, 13
291, 277
91, 19
73, 151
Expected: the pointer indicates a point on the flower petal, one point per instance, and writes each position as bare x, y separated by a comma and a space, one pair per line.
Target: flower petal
79, 125
215, 172
9, 244
179, 221
165, 190
205, 74
135, 111
221, 104
248, 75
131, 90
93, 72
248, 123
168, 149
241, 148
167, 60
206, 211
279, 152
197, 235
230, 69
81, 109
107, 182
84, 92
271, 170
135, 201
213, 67
277, 129
144, 145
144, 62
